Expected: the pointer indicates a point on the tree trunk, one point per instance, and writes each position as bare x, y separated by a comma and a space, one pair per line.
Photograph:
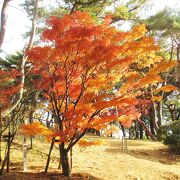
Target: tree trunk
8, 151
159, 113
136, 128
123, 130
0, 135
153, 120
31, 41
171, 112
154, 117
6, 158
152, 127
34, 28
146, 135
3, 20
49, 155
24, 59
71, 157
25, 163
31, 121
178, 66
147, 130
66, 171
129, 133
140, 132
98, 133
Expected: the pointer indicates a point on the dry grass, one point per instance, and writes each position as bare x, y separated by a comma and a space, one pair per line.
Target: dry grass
145, 160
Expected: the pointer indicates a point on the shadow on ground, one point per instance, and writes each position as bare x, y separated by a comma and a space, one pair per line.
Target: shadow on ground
46, 176
18, 146
162, 155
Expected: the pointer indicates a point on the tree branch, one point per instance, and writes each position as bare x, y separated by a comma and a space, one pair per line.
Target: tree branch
3, 20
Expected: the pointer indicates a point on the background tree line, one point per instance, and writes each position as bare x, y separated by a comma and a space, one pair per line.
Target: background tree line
21, 105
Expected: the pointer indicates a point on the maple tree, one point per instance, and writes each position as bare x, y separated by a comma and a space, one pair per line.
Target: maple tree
9, 86
77, 65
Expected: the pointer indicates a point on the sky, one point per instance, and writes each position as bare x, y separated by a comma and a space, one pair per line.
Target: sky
18, 23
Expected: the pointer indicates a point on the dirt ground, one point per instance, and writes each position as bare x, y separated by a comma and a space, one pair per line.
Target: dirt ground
145, 160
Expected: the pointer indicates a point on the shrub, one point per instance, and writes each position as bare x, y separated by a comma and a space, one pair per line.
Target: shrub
170, 134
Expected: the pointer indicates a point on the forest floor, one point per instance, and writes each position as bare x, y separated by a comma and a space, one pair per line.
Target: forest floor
145, 160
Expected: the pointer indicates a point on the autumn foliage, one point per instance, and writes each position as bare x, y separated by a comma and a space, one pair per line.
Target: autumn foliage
78, 65
85, 143
35, 128
9, 87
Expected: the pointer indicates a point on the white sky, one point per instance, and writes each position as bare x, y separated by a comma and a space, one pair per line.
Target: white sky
18, 23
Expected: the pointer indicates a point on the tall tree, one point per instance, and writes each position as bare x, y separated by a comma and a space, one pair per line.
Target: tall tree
20, 88
24, 59
79, 62
3, 20
165, 26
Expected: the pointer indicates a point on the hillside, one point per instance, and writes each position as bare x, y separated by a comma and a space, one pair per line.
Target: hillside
145, 160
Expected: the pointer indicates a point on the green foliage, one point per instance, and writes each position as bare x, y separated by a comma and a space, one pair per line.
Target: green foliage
175, 102
170, 134
122, 12
167, 21
28, 6
165, 25
127, 10
13, 61
93, 7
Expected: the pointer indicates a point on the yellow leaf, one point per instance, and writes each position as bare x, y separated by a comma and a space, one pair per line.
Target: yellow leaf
156, 98
168, 88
